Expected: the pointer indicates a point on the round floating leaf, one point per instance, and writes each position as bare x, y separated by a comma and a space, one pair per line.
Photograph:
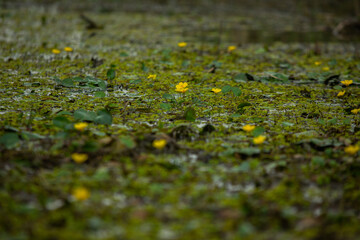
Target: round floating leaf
165, 106
61, 122
110, 74
63, 113
236, 91
100, 94
31, 136
242, 105
135, 81
84, 115
103, 117
168, 96
226, 89
67, 82
249, 151
287, 124
9, 140
258, 131
127, 141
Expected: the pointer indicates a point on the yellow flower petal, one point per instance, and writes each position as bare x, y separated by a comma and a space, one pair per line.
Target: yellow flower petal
352, 149
216, 90
347, 82
55, 51
68, 49
181, 87
80, 126
79, 157
231, 48
355, 111
317, 63
182, 44
81, 193
159, 144
152, 76
325, 68
259, 140
341, 93
248, 128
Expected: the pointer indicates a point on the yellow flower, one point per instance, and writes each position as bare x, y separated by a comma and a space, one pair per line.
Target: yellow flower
231, 48
181, 87
80, 126
152, 76
81, 193
325, 68
216, 90
347, 82
248, 128
355, 111
55, 51
341, 93
182, 44
351, 149
317, 63
68, 49
159, 144
79, 157
259, 140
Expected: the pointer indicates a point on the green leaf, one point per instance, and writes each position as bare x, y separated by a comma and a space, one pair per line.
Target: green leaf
287, 124
101, 174
236, 91
332, 121
110, 74
100, 94
318, 161
143, 67
321, 121
84, 115
249, 151
62, 122
244, 167
124, 54
31, 136
258, 131
103, 117
90, 146
185, 63
102, 84
242, 105
127, 141
67, 82
9, 140
165, 106
64, 113
226, 89
347, 121
257, 119
190, 114
135, 81
168, 96
79, 79
240, 77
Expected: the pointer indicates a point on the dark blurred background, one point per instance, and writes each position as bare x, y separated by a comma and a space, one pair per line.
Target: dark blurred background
348, 8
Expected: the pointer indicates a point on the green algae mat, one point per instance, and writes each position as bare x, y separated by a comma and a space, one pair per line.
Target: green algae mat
145, 126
